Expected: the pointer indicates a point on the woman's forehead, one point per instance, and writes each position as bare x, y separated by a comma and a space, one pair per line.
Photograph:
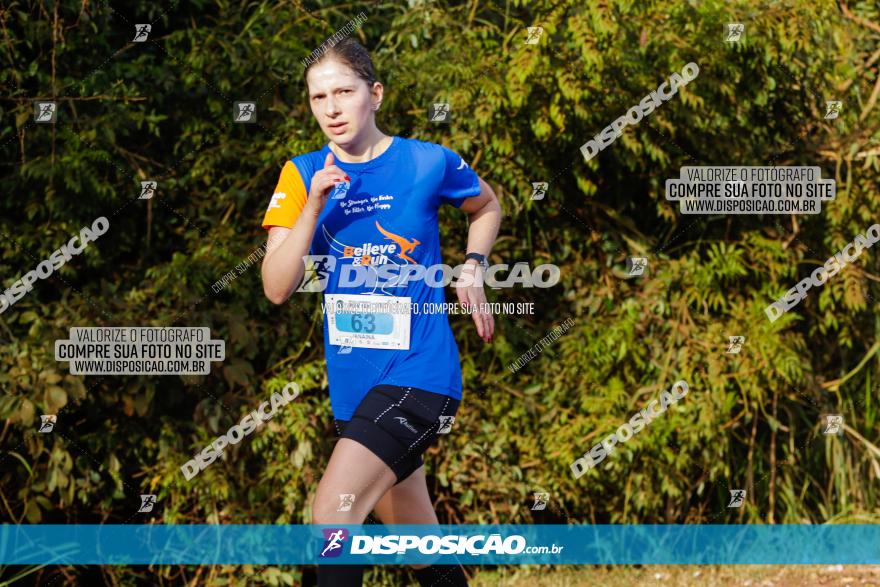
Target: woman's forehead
331, 71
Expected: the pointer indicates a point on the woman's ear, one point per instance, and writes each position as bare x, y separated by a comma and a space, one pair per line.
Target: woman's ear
378, 94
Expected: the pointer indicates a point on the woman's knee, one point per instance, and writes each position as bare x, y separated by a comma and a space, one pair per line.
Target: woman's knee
322, 515
327, 516
324, 510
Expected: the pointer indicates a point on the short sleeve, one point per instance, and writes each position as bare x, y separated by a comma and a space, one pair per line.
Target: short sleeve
459, 180
288, 200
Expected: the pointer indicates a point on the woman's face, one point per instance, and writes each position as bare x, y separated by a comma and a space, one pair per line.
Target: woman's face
341, 102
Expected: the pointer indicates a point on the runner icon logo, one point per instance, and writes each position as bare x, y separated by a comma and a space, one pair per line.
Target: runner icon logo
734, 32
539, 189
736, 498
540, 501
148, 190
736, 343
44, 112
346, 500
535, 33
834, 424
245, 112
340, 190
832, 109
47, 423
446, 423
636, 265
147, 503
439, 112
141, 32
317, 273
333, 539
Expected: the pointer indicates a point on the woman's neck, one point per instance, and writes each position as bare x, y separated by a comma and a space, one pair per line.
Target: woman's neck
368, 148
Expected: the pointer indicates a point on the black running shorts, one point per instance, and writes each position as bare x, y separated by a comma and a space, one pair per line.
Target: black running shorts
398, 424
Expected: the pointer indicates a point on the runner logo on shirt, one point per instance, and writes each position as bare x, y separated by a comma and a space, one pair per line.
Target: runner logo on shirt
340, 190
373, 254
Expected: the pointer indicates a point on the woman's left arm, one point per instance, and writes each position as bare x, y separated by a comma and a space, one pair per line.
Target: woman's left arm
484, 215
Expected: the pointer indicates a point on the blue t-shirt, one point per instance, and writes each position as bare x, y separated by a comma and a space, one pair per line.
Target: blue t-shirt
387, 215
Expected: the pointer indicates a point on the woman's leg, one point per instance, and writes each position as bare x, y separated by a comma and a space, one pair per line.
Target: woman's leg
408, 502
353, 469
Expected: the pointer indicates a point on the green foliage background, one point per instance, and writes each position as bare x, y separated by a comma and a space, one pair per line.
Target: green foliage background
162, 110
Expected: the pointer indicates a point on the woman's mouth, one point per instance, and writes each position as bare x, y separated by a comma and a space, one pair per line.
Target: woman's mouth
339, 128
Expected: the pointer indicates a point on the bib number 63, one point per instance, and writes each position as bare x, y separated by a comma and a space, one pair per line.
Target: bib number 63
363, 323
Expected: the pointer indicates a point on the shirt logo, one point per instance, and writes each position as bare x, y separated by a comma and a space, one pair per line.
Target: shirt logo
276, 198
406, 245
461, 165
340, 190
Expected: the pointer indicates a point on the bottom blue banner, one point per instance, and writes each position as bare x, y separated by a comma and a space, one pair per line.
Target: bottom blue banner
466, 544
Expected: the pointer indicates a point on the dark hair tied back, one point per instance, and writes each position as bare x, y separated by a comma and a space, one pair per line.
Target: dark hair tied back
351, 53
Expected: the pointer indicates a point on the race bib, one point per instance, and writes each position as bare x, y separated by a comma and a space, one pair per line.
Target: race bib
368, 321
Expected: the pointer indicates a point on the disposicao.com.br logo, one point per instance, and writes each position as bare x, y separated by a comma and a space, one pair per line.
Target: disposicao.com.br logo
402, 544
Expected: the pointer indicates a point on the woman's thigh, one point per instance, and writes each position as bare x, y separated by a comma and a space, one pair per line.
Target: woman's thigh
353, 470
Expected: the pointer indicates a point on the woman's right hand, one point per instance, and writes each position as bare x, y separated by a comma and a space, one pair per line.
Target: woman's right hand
322, 182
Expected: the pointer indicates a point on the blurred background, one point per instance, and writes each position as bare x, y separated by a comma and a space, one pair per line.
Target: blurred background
162, 110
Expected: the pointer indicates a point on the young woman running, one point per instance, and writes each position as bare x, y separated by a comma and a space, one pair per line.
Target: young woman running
370, 200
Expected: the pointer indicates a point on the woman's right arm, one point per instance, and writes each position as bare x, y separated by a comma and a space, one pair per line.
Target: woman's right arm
283, 266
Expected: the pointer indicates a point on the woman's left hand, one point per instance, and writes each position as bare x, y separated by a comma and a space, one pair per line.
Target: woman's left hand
474, 298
